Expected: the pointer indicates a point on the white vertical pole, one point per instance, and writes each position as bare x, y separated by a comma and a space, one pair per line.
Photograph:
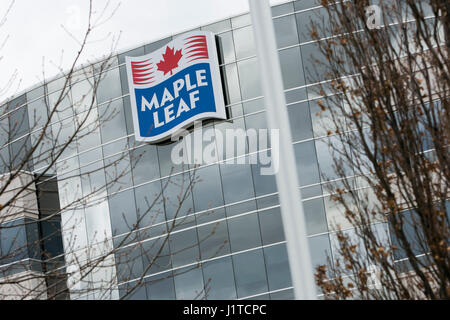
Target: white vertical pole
286, 177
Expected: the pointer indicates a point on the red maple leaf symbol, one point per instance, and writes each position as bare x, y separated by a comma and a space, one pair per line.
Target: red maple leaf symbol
170, 61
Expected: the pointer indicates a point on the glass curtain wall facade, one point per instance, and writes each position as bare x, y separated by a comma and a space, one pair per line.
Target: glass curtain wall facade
245, 257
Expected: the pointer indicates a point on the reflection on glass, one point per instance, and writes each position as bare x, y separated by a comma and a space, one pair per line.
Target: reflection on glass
277, 266
250, 273
109, 86
285, 31
244, 42
98, 225
219, 279
271, 226
237, 182
207, 189
249, 78
122, 212
189, 283
214, 240
244, 232
307, 169
291, 68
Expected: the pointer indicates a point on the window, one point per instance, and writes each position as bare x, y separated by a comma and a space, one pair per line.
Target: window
244, 232
218, 26
244, 42
18, 123
189, 283
109, 86
115, 147
33, 242
226, 47
300, 121
124, 79
118, 175
315, 63
73, 224
123, 212
177, 196
315, 218
277, 265
304, 20
93, 179
112, 120
207, 189
129, 263
150, 204
235, 111
271, 226
322, 120
240, 145
231, 83
128, 115
144, 162
319, 248
264, 184
89, 134
156, 45
13, 241
156, 255
282, 9
240, 21
219, 279
19, 151
4, 150
131, 53
97, 222
307, 169
381, 232
267, 201
214, 240
83, 95
413, 234
69, 190
241, 207
312, 191
326, 156
63, 131
37, 113
256, 122
250, 273
283, 295
35, 93
253, 105
63, 108
291, 68
305, 4
249, 78
295, 95
166, 166
161, 287
237, 182
335, 213
211, 215
184, 247
132, 291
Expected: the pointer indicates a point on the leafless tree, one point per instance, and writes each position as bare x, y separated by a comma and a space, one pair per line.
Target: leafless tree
384, 72
43, 196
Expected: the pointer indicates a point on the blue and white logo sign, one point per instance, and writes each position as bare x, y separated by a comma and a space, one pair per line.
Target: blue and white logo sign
175, 85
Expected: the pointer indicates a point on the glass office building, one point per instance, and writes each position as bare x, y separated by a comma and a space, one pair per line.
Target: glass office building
230, 244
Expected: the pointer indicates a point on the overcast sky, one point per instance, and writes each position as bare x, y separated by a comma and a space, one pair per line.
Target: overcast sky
37, 42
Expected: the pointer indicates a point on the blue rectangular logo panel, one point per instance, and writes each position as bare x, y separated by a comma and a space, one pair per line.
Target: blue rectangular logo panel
175, 85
